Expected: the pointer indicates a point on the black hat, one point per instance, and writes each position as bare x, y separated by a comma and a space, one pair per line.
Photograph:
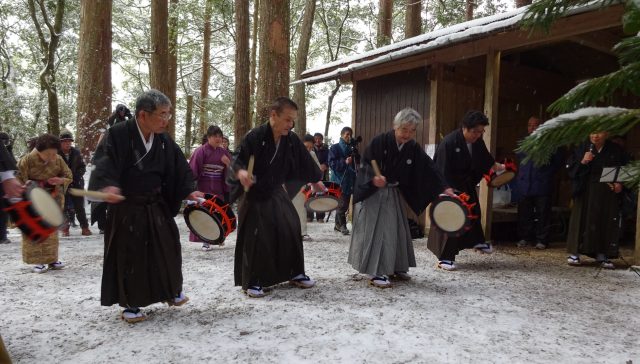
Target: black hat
66, 135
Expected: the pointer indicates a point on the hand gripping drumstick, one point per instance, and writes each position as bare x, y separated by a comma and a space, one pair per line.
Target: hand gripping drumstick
93, 195
376, 169
250, 170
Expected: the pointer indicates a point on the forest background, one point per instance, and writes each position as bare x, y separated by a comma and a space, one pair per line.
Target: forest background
65, 64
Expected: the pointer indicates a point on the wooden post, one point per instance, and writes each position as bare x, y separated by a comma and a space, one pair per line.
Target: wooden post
435, 124
491, 85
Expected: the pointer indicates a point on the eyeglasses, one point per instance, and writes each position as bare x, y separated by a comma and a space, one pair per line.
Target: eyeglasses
166, 116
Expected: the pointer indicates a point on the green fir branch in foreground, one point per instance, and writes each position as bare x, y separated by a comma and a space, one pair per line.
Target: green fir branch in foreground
574, 128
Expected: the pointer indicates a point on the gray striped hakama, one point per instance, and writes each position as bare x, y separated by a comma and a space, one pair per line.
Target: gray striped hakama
381, 241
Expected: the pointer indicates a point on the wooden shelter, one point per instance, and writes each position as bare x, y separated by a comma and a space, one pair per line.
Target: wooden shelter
487, 64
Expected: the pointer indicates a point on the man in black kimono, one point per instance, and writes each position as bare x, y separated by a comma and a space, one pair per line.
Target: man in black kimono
269, 243
463, 159
594, 228
10, 184
381, 243
138, 160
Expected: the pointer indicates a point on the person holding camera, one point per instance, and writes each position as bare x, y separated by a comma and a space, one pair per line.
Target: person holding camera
342, 163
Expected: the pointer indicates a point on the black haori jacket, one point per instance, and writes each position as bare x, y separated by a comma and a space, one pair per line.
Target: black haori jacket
418, 179
115, 156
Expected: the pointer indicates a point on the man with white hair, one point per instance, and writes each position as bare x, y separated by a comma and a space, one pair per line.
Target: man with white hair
381, 243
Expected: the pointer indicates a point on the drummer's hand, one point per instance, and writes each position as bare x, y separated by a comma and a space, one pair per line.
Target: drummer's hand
348, 160
114, 195
588, 157
225, 160
616, 187
449, 192
323, 167
54, 181
245, 179
379, 181
12, 188
195, 195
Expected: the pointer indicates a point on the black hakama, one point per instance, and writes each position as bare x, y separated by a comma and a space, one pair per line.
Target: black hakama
269, 242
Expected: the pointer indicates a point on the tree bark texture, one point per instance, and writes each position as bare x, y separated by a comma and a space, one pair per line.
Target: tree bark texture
254, 49
385, 14
273, 70
412, 19
299, 91
94, 74
469, 9
242, 95
206, 67
330, 107
159, 69
521, 3
188, 126
48, 46
173, 63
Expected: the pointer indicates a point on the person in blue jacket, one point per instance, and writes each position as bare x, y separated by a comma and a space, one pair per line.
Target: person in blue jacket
342, 162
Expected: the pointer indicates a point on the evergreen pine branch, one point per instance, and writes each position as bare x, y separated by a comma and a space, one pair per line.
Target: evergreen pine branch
599, 89
574, 128
542, 14
628, 50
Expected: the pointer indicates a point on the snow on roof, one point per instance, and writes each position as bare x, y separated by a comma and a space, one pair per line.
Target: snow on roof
422, 43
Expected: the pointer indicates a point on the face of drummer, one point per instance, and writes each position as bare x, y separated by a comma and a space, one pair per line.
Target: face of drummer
155, 121
48, 155
281, 123
473, 134
533, 124
599, 138
405, 132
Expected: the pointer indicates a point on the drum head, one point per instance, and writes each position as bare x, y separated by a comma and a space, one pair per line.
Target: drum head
322, 204
46, 207
502, 179
205, 226
448, 216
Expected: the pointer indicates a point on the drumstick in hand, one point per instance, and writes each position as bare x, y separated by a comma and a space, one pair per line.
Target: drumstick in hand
376, 169
250, 171
94, 195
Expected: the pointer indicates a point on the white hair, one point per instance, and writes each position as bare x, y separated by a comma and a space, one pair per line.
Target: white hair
406, 116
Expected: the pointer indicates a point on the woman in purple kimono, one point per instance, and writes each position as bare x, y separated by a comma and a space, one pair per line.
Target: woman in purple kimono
209, 164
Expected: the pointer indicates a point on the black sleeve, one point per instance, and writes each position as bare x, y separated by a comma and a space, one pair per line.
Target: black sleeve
110, 160
7, 162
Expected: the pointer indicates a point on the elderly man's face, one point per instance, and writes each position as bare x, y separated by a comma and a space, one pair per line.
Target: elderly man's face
405, 132
318, 140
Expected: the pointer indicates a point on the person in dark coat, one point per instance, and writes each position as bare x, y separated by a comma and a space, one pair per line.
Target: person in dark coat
7, 169
322, 153
594, 227
534, 186
74, 205
138, 160
343, 172
463, 159
269, 243
120, 114
381, 244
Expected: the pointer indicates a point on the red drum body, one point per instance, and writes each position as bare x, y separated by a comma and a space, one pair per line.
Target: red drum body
323, 201
37, 215
452, 215
211, 219
497, 180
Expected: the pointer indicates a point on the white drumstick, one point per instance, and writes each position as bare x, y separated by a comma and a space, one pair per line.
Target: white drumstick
376, 169
96, 196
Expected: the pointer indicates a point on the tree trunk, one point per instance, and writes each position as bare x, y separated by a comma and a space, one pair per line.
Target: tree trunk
299, 94
254, 48
188, 126
173, 63
521, 3
330, 107
469, 9
94, 74
385, 14
160, 46
48, 47
412, 19
273, 72
242, 89
206, 68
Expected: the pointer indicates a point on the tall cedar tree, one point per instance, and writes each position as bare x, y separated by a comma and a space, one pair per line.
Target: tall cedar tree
299, 91
242, 95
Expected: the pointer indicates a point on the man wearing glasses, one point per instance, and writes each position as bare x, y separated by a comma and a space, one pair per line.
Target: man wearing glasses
138, 160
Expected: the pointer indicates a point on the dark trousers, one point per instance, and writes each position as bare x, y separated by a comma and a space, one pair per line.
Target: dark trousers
76, 207
318, 215
3, 223
341, 212
534, 217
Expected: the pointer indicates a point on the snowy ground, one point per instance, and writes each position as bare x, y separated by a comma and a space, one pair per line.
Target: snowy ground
515, 306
